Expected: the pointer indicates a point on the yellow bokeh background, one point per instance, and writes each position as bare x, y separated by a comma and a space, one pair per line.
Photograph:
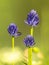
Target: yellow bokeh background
15, 11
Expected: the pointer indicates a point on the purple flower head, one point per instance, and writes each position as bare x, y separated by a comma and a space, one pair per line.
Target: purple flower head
32, 18
13, 30
29, 41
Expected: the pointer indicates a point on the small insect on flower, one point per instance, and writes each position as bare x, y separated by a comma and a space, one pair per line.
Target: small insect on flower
32, 18
13, 30
29, 41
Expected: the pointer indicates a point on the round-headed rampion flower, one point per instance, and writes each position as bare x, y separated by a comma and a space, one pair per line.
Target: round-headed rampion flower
29, 41
13, 30
32, 18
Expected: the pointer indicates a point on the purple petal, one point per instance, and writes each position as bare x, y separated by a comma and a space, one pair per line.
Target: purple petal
17, 34
32, 18
12, 29
29, 41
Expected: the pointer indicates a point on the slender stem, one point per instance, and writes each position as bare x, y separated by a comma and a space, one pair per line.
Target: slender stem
32, 31
12, 43
12, 46
30, 56
30, 51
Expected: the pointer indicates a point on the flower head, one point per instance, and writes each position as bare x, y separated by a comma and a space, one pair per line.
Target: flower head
32, 18
13, 30
29, 41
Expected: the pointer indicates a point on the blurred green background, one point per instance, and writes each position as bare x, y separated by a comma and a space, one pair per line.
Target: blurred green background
15, 11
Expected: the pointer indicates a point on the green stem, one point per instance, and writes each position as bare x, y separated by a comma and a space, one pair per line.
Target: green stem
29, 56
30, 51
